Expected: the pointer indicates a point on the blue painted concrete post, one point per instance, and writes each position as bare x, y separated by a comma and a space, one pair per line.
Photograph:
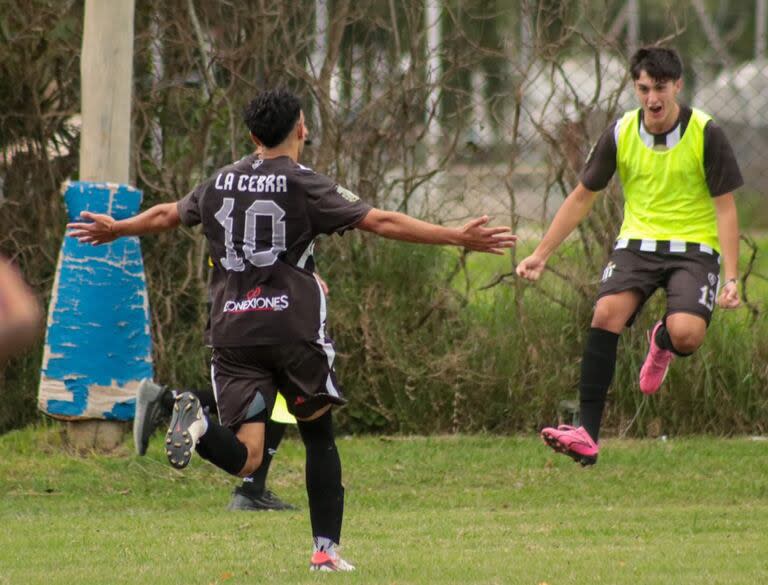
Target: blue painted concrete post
98, 344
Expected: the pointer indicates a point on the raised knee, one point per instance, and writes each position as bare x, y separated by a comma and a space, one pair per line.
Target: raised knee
686, 341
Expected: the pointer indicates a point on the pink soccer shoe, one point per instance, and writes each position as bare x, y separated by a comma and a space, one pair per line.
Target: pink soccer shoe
576, 443
656, 365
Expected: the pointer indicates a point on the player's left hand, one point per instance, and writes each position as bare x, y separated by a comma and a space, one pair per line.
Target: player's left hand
729, 296
98, 231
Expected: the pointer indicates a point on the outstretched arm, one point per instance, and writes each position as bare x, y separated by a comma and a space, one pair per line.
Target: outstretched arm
20, 314
728, 234
102, 229
575, 208
473, 235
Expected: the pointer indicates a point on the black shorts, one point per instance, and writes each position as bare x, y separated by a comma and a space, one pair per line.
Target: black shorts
690, 278
302, 371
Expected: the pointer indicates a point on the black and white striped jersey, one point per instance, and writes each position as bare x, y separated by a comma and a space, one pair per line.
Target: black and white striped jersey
261, 218
720, 167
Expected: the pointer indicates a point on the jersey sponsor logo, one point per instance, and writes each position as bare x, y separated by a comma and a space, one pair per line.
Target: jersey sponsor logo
251, 183
254, 301
347, 194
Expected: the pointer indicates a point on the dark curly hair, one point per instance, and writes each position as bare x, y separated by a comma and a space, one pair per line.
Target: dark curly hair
271, 116
659, 63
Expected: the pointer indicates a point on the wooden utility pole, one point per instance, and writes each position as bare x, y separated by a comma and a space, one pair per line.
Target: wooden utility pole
106, 69
432, 25
633, 25
106, 73
710, 30
760, 36
629, 18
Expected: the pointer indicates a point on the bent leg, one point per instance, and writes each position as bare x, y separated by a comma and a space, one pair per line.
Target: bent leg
691, 294
686, 332
323, 476
256, 482
598, 363
236, 453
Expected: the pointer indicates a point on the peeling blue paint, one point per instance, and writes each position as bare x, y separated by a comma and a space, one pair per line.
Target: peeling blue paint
98, 326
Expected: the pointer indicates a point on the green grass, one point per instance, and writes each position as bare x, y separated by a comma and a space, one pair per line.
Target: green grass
443, 510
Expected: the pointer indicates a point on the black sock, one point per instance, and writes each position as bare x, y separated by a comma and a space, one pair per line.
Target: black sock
323, 473
206, 397
664, 341
597, 367
168, 399
220, 446
256, 483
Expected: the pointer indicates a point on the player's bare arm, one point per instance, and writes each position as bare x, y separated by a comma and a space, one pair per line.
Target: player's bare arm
728, 234
20, 314
574, 209
473, 235
100, 228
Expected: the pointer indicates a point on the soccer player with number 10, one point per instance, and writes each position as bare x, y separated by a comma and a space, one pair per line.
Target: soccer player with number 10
268, 313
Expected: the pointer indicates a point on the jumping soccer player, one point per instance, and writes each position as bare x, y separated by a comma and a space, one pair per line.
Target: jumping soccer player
268, 313
678, 173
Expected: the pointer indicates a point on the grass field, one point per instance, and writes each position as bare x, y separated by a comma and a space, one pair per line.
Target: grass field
438, 510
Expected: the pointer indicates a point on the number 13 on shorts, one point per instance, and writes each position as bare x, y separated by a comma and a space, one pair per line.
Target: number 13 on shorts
709, 292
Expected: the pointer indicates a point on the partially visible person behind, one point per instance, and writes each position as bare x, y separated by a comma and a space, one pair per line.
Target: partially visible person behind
20, 313
268, 314
678, 174
154, 406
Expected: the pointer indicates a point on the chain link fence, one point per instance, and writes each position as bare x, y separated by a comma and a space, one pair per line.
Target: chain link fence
444, 109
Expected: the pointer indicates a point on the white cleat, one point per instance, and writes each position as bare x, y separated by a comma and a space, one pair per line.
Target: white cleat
188, 424
322, 561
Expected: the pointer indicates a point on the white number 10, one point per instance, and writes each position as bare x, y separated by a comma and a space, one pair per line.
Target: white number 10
260, 259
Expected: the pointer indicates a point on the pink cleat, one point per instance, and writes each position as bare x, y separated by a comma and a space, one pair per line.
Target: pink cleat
656, 365
576, 443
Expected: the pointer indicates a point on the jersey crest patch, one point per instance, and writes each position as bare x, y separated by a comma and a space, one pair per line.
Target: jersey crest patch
347, 194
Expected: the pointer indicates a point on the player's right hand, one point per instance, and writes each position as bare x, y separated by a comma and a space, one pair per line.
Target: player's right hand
473, 235
729, 296
97, 231
531, 267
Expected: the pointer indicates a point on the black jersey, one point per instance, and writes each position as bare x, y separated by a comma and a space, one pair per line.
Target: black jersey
261, 218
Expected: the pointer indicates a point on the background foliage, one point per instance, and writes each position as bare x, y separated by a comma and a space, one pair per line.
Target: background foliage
477, 106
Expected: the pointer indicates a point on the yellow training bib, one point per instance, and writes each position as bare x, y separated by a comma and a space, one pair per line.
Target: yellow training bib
280, 412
